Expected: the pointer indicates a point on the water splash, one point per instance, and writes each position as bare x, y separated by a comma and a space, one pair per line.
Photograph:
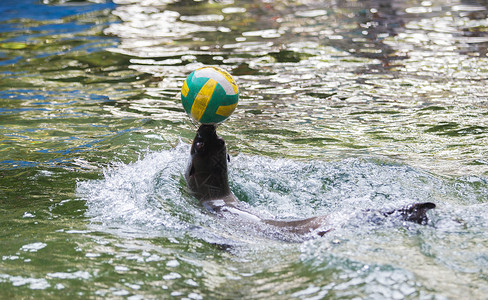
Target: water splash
151, 193
133, 195
361, 255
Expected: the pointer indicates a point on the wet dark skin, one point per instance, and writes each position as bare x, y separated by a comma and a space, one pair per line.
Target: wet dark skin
207, 181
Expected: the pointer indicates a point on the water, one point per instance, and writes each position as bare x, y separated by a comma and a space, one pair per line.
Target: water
344, 107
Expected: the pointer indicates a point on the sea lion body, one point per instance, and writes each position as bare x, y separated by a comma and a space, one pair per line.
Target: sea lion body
207, 181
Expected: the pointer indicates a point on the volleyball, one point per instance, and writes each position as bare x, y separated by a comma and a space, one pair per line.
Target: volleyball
209, 95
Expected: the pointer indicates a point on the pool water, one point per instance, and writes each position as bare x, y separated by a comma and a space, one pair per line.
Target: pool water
344, 107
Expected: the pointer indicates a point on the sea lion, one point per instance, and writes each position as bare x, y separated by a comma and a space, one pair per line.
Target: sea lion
207, 181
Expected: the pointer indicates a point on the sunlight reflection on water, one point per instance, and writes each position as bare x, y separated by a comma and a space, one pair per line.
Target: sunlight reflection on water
372, 83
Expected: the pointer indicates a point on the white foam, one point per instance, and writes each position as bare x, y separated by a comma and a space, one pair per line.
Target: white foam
148, 198
134, 195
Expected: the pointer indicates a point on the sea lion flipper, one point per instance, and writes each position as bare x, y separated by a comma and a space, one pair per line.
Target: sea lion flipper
417, 212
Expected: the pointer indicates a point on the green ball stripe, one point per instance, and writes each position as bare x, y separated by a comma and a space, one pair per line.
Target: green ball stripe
206, 109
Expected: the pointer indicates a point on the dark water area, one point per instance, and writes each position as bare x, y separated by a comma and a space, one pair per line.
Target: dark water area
344, 106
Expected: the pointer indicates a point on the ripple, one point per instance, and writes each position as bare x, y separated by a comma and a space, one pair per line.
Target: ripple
33, 283
34, 247
74, 275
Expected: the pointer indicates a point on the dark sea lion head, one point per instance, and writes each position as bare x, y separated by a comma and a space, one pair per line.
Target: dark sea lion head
207, 172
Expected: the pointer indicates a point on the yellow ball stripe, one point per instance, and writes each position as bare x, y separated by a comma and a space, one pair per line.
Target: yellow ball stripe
201, 100
185, 89
226, 110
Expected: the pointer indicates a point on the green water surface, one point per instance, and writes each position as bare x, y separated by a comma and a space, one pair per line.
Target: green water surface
344, 106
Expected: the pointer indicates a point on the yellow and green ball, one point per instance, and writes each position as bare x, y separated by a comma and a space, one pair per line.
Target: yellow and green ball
209, 95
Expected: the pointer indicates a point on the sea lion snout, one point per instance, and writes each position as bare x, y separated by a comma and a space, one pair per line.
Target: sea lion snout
207, 131
207, 141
